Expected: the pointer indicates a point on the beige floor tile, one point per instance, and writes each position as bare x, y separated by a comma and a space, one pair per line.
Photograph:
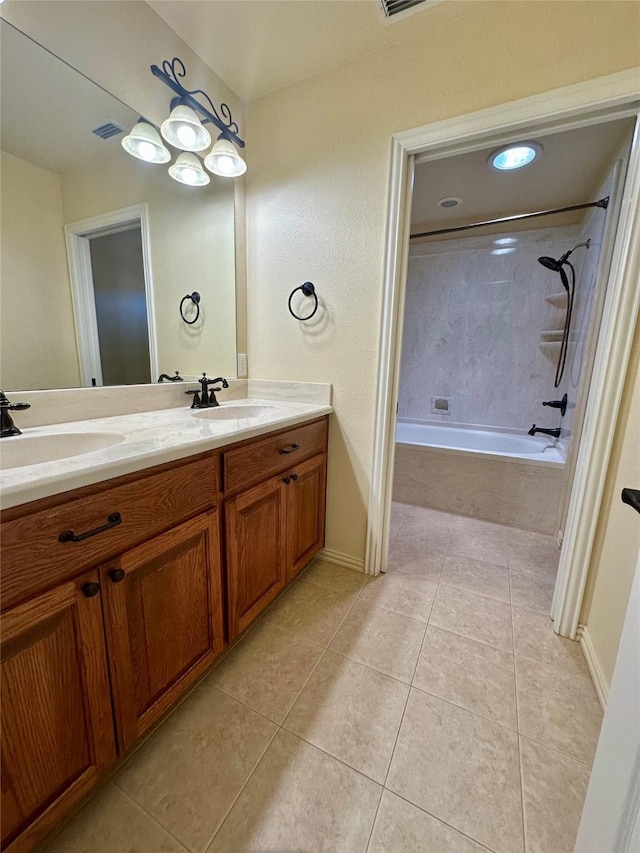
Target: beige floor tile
478, 526
310, 612
474, 616
461, 769
470, 674
561, 711
533, 553
267, 670
336, 578
487, 545
403, 828
413, 557
531, 592
300, 799
476, 576
399, 512
109, 823
386, 641
533, 638
407, 594
189, 772
352, 712
424, 518
554, 788
429, 531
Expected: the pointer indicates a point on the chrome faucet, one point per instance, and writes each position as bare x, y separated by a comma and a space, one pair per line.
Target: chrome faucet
206, 397
554, 433
7, 426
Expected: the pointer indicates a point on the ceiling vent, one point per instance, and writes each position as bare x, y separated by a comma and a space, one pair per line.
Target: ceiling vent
397, 9
106, 129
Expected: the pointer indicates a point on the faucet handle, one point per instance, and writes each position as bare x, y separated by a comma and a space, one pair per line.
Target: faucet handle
196, 398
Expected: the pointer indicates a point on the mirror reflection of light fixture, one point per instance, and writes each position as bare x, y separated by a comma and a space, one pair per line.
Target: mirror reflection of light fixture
184, 130
188, 170
224, 160
144, 143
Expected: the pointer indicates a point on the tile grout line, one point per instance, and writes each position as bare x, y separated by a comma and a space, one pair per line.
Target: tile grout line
515, 691
375, 818
184, 846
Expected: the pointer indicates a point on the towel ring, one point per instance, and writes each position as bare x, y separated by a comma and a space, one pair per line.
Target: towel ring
195, 298
309, 290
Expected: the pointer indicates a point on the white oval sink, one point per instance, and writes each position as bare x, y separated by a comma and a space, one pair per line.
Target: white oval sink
17, 451
225, 413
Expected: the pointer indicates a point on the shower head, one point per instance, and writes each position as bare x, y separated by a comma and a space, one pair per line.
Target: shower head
550, 264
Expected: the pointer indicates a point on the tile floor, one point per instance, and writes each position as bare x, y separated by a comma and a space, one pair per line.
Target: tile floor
418, 711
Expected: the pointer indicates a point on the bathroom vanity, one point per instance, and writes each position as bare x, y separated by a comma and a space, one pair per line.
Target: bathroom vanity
118, 595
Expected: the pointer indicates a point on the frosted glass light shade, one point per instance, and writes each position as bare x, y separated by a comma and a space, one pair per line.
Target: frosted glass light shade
188, 170
224, 160
515, 156
144, 143
183, 130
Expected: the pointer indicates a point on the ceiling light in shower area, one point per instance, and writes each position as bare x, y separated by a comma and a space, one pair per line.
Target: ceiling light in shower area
515, 156
449, 202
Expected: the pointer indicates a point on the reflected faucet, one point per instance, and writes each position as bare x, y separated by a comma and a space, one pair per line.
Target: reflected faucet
554, 433
176, 378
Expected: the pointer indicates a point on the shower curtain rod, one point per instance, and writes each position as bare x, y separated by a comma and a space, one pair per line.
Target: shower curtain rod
603, 202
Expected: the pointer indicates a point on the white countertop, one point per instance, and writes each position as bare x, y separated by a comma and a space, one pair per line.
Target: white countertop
148, 439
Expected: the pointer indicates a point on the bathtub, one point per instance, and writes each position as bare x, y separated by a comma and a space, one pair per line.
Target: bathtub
504, 477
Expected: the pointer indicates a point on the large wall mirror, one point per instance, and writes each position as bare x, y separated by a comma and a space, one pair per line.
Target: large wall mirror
98, 249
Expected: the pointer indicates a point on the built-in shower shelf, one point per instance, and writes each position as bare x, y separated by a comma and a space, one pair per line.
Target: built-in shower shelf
550, 348
557, 299
552, 336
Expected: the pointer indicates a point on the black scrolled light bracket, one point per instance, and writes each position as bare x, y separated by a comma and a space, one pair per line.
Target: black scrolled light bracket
308, 289
169, 73
195, 299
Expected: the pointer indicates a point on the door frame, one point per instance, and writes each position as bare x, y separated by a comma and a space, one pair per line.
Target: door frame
77, 236
579, 105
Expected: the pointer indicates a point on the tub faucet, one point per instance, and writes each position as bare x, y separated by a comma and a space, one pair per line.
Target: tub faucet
554, 433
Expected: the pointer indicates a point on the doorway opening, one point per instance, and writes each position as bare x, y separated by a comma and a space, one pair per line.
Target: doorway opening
110, 272
581, 106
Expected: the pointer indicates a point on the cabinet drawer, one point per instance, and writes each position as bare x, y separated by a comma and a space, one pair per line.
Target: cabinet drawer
34, 559
261, 459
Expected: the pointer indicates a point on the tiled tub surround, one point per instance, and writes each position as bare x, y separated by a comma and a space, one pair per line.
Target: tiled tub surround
432, 708
149, 437
475, 309
522, 489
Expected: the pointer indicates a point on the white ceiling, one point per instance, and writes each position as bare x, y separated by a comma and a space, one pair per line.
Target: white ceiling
569, 171
258, 46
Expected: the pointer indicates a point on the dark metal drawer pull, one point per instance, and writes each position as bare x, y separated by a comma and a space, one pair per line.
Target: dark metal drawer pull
631, 497
284, 452
69, 536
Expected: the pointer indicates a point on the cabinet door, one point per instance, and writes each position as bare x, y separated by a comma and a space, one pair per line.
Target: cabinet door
57, 724
163, 614
305, 513
255, 523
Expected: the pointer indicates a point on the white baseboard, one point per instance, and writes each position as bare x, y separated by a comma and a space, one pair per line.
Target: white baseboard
340, 559
593, 664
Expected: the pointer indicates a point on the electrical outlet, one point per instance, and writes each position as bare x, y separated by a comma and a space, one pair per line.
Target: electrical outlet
242, 365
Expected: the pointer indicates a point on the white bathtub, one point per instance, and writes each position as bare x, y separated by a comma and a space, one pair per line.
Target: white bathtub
503, 477
536, 449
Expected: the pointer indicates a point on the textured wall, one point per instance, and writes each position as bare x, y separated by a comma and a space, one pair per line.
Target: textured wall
318, 157
475, 310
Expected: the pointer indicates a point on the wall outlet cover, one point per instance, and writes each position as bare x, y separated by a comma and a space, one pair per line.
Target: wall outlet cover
242, 365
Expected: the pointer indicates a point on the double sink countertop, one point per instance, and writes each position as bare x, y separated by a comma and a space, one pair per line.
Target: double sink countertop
144, 439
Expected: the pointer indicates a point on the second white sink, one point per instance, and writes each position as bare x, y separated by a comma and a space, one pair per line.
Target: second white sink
17, 451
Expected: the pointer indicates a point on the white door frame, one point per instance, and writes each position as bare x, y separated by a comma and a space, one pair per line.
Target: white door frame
582, 104
77, 235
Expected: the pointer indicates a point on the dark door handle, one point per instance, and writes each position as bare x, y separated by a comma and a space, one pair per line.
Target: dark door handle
116, 575
284, 452
631, 497
91, 589
69, 536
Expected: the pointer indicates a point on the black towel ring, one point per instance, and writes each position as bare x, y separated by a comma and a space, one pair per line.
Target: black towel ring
309, 290
195, 298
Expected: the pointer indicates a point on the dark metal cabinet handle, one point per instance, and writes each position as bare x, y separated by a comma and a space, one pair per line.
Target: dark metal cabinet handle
631, 497
91, 589
286, 480
284, 452
116, 575
69, 536
294, 477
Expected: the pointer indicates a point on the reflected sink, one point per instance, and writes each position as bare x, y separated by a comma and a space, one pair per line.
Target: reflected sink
225, 413
19, 450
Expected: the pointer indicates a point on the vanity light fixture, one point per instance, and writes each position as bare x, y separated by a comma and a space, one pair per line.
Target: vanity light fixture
188, 170
144, 143
515, 156
224, 160
184, 130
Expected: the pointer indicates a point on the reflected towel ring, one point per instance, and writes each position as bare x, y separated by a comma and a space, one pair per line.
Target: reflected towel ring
195, 298
309, 290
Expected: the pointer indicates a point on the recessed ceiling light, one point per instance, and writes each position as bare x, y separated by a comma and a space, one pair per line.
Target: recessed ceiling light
449, 201
515, 156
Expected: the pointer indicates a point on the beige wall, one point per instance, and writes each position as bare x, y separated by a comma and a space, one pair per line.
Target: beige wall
319, 155
35, 296
617, 542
